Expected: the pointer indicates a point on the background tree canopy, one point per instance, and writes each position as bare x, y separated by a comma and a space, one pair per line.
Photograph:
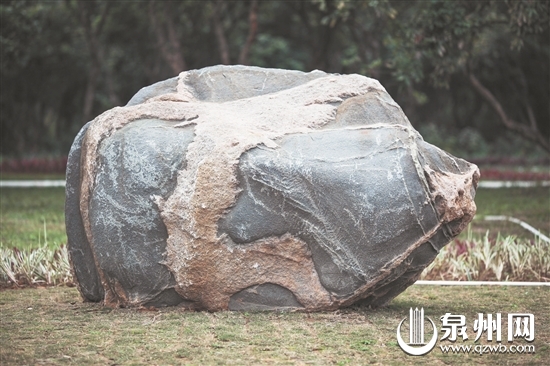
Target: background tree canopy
472, 75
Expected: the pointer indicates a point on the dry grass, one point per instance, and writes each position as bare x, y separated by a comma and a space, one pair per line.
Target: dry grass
52, 326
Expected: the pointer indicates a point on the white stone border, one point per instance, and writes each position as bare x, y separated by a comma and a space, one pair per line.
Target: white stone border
513, 184
31, 183
480, 283
523, 224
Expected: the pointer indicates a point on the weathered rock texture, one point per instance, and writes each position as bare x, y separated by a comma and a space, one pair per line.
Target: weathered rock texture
244, 188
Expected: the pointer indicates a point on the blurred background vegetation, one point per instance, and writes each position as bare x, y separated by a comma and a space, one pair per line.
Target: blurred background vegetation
472, 76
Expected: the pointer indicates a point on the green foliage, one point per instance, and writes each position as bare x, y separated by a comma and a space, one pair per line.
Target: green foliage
66, 61
276, 52
38, 55
504, 45
456, 36
470, 143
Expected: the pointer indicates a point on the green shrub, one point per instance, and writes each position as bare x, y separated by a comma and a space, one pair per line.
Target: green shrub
484, 259
42, 265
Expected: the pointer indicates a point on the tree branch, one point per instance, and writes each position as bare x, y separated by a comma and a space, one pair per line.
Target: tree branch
178, 62
528, 132
103, 16
525, 97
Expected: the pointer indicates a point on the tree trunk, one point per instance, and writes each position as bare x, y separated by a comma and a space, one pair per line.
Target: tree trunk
362, 37
167, 39
253, 29
97, 56
89, 95
220, 35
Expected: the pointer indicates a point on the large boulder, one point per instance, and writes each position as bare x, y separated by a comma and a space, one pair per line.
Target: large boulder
244, 188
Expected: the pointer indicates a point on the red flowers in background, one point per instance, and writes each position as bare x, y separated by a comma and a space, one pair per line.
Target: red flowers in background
497, 174
495, 168
35, 165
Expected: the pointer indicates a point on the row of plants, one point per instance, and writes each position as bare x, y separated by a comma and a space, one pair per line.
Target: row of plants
492, 259
473, 259
39, 266
58, 166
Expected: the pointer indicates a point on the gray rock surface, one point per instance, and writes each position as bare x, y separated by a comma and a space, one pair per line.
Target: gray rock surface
243, 188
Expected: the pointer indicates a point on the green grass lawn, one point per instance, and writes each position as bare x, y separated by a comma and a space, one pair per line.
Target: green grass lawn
29, 216
531, 205
25, 212
52, 326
